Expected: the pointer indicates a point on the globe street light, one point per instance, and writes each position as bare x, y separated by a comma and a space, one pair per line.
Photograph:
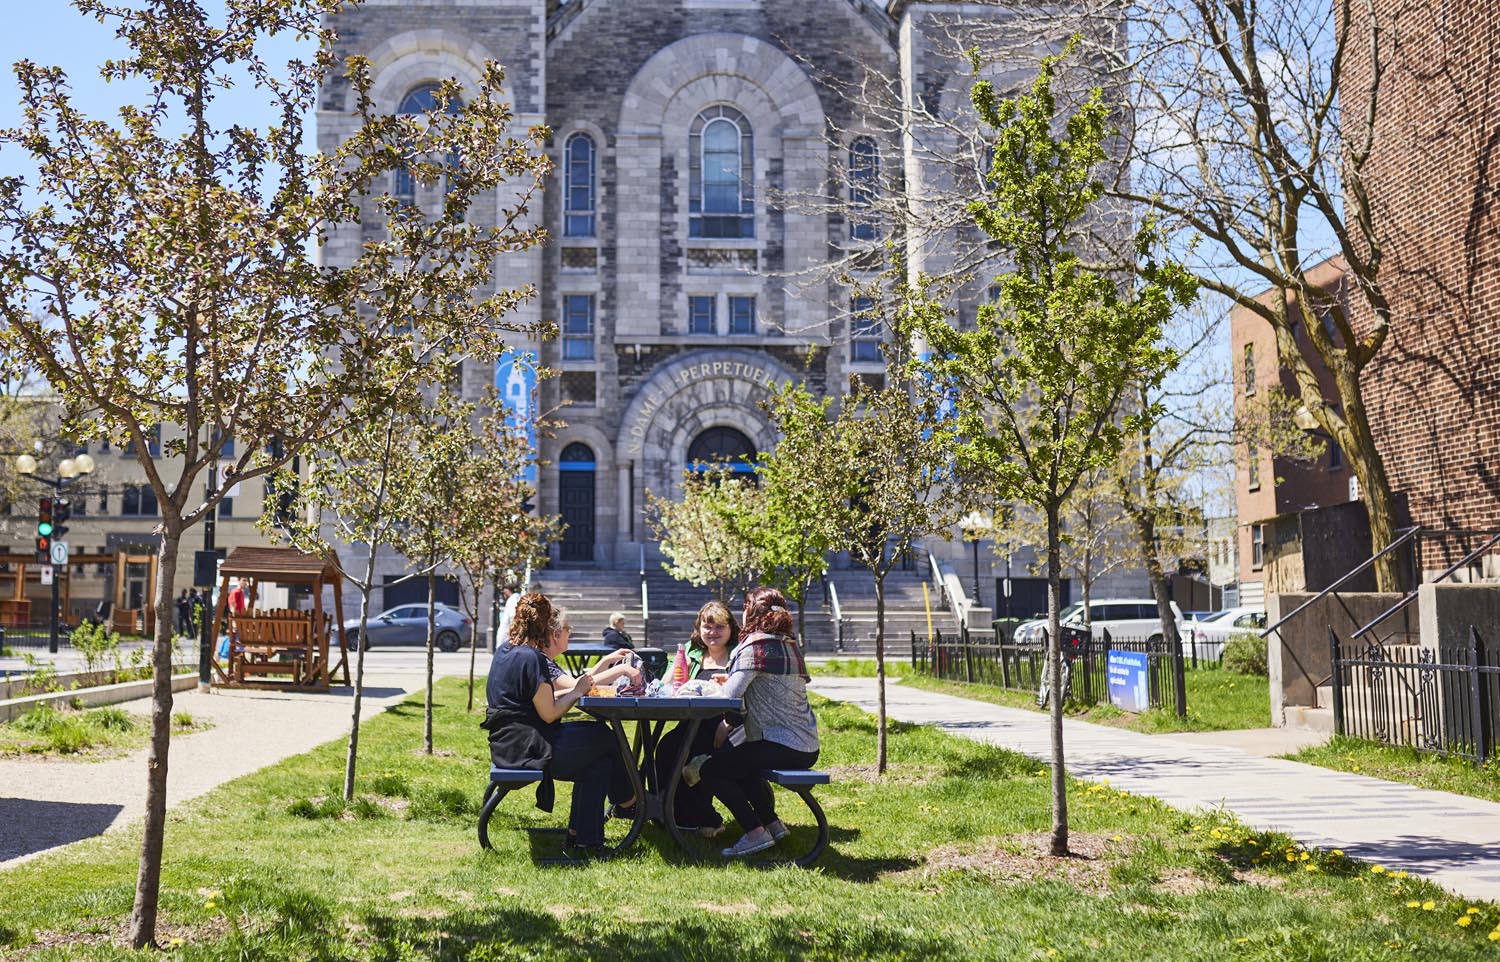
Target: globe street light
974, 525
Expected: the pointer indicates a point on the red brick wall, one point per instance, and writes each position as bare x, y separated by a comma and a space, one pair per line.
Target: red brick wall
1434, 391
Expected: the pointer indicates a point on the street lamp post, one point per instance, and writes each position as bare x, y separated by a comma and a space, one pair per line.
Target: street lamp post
974, 525
69, 470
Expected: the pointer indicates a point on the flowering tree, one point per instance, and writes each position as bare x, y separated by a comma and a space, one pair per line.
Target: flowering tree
162, 267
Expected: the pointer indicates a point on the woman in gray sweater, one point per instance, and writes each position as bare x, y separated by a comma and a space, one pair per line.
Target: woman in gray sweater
767, 670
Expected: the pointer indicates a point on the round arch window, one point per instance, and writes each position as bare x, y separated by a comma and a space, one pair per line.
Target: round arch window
578, 455
723, 446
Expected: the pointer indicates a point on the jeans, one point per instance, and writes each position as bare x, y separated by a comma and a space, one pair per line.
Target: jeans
733, 775
588, 755
693, 805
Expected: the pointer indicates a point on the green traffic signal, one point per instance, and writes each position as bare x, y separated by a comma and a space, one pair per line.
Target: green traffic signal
44, 528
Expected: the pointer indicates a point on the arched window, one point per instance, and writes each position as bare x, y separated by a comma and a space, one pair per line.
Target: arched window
578, 189
421, 99
721, 162
722, 447
576, 457
864, 178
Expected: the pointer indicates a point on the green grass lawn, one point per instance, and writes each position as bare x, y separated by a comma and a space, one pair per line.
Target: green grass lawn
1218, 700
95, 733
937, 860
1405, 765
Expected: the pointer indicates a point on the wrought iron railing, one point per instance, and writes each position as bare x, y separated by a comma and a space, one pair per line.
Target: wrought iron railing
1443, 701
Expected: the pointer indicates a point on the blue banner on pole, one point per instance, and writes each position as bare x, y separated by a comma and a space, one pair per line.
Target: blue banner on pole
515, 380
1128, 686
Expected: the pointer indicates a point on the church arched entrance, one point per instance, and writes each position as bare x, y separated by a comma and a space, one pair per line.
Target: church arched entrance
575, 499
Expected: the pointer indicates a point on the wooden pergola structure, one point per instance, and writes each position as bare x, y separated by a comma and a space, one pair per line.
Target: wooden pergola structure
15, 611
279, 647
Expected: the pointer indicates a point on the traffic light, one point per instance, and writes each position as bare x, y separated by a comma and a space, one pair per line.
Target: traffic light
44, 530
62, 510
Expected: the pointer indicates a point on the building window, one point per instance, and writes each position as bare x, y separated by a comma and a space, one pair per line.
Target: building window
578, 327
579, 191
721, 162
1249, 368
139, 501
864, 177
153, 443
226, 508
1252, 465
227, 448
1257, 546
701, 314
864, 331
742, 315
421, 99
104, 502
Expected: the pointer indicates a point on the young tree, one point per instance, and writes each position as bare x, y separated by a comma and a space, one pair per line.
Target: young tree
1042, 375
793, 547
873, 476
706, 535
161, 268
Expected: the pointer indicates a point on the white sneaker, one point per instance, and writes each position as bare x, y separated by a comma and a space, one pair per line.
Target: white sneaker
778, 831
690, 775
748, 845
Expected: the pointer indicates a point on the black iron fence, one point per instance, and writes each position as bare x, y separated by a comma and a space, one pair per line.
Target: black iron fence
1444, 701
984, 660
32, 636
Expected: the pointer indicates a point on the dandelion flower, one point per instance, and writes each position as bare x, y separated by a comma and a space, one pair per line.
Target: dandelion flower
1428, 905
1471, 910
1338, 853
1413, 904
1304, 857
1495, 936
1400, 874
1242, 940
1377, 869
1118, 838
1464, 921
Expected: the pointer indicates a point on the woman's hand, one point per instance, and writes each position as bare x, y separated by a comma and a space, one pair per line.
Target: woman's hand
584, 682
721, 735
614, 657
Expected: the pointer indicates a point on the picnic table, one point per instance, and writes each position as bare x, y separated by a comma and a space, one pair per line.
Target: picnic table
580, 656
654, 799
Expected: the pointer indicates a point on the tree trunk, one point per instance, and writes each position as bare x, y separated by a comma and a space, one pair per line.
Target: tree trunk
148, 877
1059, 840
352, 755
1145, 525
431, 631
880, 723
474, 643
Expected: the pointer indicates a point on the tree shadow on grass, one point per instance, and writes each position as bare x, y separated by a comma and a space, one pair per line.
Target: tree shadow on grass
559, 934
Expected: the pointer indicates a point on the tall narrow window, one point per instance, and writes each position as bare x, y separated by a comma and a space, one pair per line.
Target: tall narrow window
1252, 465
1335, 453
701, 314
721, 161
1257, 546
1249, 368
742, 315
421, 99
864, 176
579, 190
864, 331
578, 327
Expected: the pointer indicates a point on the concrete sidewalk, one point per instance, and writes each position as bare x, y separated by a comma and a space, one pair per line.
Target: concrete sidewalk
1451, 839
48, 802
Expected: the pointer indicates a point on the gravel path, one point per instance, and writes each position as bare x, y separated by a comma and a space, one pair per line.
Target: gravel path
48, 802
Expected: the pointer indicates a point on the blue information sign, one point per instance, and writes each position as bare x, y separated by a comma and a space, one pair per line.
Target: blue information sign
1128, 687
515, 380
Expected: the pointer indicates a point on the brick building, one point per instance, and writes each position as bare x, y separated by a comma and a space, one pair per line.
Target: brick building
1268, 486
1434, 390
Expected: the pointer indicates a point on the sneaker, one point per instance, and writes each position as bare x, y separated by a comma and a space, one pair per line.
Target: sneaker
690, 776
778, 831
626, 812
572, 849
748, 846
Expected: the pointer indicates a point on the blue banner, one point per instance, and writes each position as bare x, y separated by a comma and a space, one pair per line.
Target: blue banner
515, 381
1129, 689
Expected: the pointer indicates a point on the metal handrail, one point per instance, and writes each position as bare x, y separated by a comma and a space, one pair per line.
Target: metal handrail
837, 613
1467, 559
1406, 535
936, 577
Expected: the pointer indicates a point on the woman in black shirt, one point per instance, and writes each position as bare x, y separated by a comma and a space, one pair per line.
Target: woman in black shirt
526, 728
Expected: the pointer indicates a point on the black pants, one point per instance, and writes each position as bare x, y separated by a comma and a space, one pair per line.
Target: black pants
693, 805
733, 775
588, 755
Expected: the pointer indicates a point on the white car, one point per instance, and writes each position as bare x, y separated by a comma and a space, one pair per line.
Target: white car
1220, 626
1132, 618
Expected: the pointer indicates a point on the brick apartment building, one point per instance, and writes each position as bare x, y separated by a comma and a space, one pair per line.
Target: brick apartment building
1434, 389
1268, 487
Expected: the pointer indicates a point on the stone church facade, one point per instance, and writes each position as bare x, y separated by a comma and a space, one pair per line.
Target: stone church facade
684, 295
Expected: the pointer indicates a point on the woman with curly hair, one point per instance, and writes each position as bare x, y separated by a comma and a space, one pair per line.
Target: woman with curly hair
715, 634
527, 699
767, 670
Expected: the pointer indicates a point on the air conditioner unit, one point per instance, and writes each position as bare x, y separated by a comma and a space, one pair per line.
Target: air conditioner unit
1353, 488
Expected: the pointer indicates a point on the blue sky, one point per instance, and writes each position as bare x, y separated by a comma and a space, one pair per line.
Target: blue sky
52, 32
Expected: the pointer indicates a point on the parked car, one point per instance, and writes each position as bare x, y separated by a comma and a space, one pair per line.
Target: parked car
407, 625
1134, 618
1222, 625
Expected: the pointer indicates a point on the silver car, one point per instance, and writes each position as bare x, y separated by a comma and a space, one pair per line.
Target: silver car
407, 625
